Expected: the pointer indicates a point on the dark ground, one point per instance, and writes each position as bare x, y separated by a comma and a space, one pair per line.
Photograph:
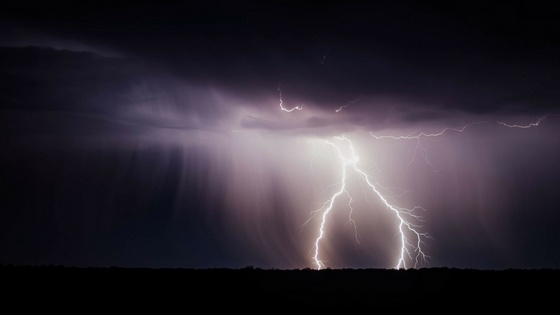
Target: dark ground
188, 287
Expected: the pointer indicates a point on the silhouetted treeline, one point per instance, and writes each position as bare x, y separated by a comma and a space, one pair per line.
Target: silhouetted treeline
325, 287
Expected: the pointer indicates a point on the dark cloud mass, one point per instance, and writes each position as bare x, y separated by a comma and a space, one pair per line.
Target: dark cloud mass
149, 134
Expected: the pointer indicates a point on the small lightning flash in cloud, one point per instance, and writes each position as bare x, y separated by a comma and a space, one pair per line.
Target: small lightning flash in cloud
534, 124
289, 110
347, 104
325, 57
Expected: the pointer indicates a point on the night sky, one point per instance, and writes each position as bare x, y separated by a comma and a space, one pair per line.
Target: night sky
143, 134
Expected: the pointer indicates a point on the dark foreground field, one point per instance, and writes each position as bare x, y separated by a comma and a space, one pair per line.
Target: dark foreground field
215, 287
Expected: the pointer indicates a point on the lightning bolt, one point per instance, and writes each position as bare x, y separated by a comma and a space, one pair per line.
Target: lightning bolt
411, 236
418, 136
347, 104
534, 124
411, 239
282, 106
423, 152
411, 252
